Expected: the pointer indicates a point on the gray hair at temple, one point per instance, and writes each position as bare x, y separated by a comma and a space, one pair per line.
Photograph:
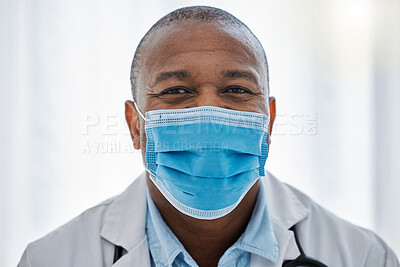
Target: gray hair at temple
204, 14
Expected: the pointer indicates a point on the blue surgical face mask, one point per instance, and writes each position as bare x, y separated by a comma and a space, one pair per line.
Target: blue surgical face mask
205, 159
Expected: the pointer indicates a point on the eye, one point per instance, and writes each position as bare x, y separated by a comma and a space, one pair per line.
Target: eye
175, 91
237, 90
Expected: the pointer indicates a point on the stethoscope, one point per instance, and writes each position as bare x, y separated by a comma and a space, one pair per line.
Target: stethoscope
301, 261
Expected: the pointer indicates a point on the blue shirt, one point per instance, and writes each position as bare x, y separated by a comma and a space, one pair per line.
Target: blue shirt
258, 238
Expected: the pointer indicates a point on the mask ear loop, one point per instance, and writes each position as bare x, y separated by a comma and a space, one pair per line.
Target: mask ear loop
138, 110
151, 174
142, 116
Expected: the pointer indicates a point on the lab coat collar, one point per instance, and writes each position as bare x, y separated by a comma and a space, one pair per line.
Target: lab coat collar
124, 223
125, 219
286, 208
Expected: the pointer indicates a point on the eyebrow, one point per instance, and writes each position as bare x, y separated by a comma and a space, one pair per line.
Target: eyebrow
179, 74
238, 74
183, 74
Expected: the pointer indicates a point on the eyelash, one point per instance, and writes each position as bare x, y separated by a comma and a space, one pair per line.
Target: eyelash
168, 91
245, 90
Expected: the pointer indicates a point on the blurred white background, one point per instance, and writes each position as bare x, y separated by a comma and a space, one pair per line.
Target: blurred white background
64, 77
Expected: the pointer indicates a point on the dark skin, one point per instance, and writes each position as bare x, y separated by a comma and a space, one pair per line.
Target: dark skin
194, 64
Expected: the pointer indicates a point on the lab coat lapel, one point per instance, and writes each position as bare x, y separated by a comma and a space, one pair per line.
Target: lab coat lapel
124, 224
138, 256
285, 210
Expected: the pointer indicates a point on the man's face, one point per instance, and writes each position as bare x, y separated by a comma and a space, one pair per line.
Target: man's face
190, 64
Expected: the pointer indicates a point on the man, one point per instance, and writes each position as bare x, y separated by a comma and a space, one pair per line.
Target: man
202, 117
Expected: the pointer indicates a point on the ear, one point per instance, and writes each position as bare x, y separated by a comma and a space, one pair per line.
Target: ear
272, 113
133, 121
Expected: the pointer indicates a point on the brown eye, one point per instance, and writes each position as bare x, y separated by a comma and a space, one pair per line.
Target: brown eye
237, 90
175, 91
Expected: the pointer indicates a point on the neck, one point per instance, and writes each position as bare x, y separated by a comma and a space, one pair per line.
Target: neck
206, 240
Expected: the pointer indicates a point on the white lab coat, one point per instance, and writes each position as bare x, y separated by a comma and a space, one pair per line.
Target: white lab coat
89, 239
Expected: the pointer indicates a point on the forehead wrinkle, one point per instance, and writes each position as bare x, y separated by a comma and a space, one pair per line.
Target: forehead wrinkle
179, 74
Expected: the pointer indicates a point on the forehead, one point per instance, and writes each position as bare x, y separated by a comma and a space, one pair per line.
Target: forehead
169, 42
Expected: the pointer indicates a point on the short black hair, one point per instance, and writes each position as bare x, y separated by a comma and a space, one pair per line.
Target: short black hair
204, 14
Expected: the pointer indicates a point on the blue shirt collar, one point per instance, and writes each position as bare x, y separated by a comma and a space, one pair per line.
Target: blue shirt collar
164, 246
258, 238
